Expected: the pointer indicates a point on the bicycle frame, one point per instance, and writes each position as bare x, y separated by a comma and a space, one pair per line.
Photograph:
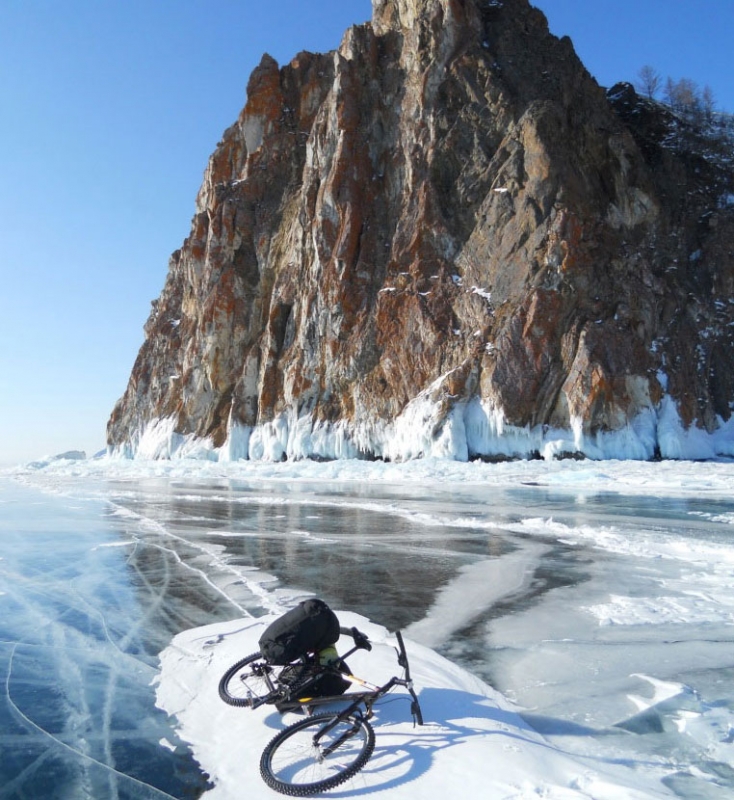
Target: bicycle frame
264, 671
275, 694
368, 699
321, 751
355, 700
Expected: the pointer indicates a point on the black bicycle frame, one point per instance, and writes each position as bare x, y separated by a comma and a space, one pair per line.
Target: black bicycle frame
365, 698
368, 699
361, 642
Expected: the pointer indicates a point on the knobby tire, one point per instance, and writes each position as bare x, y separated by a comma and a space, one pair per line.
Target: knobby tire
239, 678
290, 763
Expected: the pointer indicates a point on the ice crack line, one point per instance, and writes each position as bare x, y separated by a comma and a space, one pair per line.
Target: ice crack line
69, 748
157, 527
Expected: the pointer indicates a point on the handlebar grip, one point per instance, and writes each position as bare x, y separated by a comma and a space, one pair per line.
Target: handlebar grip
361, 640
402, 655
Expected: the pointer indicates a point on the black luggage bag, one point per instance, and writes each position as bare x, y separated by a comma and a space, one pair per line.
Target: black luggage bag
309, 627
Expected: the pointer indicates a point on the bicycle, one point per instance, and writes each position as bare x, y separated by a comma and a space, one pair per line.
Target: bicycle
322, 750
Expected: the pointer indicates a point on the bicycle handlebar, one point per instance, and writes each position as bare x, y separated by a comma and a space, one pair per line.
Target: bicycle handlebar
361, 641
402, 655
415, 706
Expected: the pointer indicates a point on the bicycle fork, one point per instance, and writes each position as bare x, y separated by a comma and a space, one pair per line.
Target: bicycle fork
324, 752
262, 671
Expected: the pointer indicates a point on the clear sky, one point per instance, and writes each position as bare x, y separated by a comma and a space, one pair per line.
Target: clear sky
109, 110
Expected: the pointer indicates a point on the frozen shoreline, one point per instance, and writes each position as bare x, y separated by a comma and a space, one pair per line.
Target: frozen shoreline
669, 478
424, 428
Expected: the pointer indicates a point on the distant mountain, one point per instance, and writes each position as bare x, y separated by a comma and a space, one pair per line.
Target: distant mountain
445, 239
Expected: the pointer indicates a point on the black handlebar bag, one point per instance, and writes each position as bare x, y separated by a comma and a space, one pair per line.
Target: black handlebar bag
309, 627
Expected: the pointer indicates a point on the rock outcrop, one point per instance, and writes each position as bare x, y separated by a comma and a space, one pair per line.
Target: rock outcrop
445, 239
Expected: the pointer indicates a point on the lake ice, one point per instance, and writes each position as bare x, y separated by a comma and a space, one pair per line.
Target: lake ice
596, 596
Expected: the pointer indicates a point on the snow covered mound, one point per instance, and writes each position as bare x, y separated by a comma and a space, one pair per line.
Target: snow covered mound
474, 743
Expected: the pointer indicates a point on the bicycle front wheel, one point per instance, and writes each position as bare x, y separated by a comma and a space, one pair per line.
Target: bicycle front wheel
292, 764
248, 680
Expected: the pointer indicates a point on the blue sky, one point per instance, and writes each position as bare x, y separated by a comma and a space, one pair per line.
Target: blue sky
110, 109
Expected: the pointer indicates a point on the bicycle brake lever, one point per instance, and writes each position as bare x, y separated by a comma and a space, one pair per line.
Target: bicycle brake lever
402, 655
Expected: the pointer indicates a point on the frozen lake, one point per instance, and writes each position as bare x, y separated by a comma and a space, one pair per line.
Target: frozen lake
600, 598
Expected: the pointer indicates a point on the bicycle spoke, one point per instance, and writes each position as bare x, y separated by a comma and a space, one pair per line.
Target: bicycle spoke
248, 680
293, 764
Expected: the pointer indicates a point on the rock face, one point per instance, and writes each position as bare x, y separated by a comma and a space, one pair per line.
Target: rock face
444, 239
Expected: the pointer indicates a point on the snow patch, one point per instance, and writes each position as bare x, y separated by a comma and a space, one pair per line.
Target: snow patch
468, 726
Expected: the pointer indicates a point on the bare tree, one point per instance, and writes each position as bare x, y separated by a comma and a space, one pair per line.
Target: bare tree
648, 81
708, 103
684, 96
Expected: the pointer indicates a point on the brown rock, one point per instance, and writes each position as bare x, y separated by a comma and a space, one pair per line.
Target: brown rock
442, 237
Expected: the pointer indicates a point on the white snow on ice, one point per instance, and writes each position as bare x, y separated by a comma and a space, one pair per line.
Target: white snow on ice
674, 478
474, 742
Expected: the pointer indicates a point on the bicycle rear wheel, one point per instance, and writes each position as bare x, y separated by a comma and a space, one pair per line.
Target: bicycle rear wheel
248, 679
292, 764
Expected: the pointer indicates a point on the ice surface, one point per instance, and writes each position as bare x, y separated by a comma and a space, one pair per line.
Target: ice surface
475, 588
78, 651
595, 595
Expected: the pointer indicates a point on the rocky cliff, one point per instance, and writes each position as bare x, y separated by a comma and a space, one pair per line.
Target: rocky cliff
445, 239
